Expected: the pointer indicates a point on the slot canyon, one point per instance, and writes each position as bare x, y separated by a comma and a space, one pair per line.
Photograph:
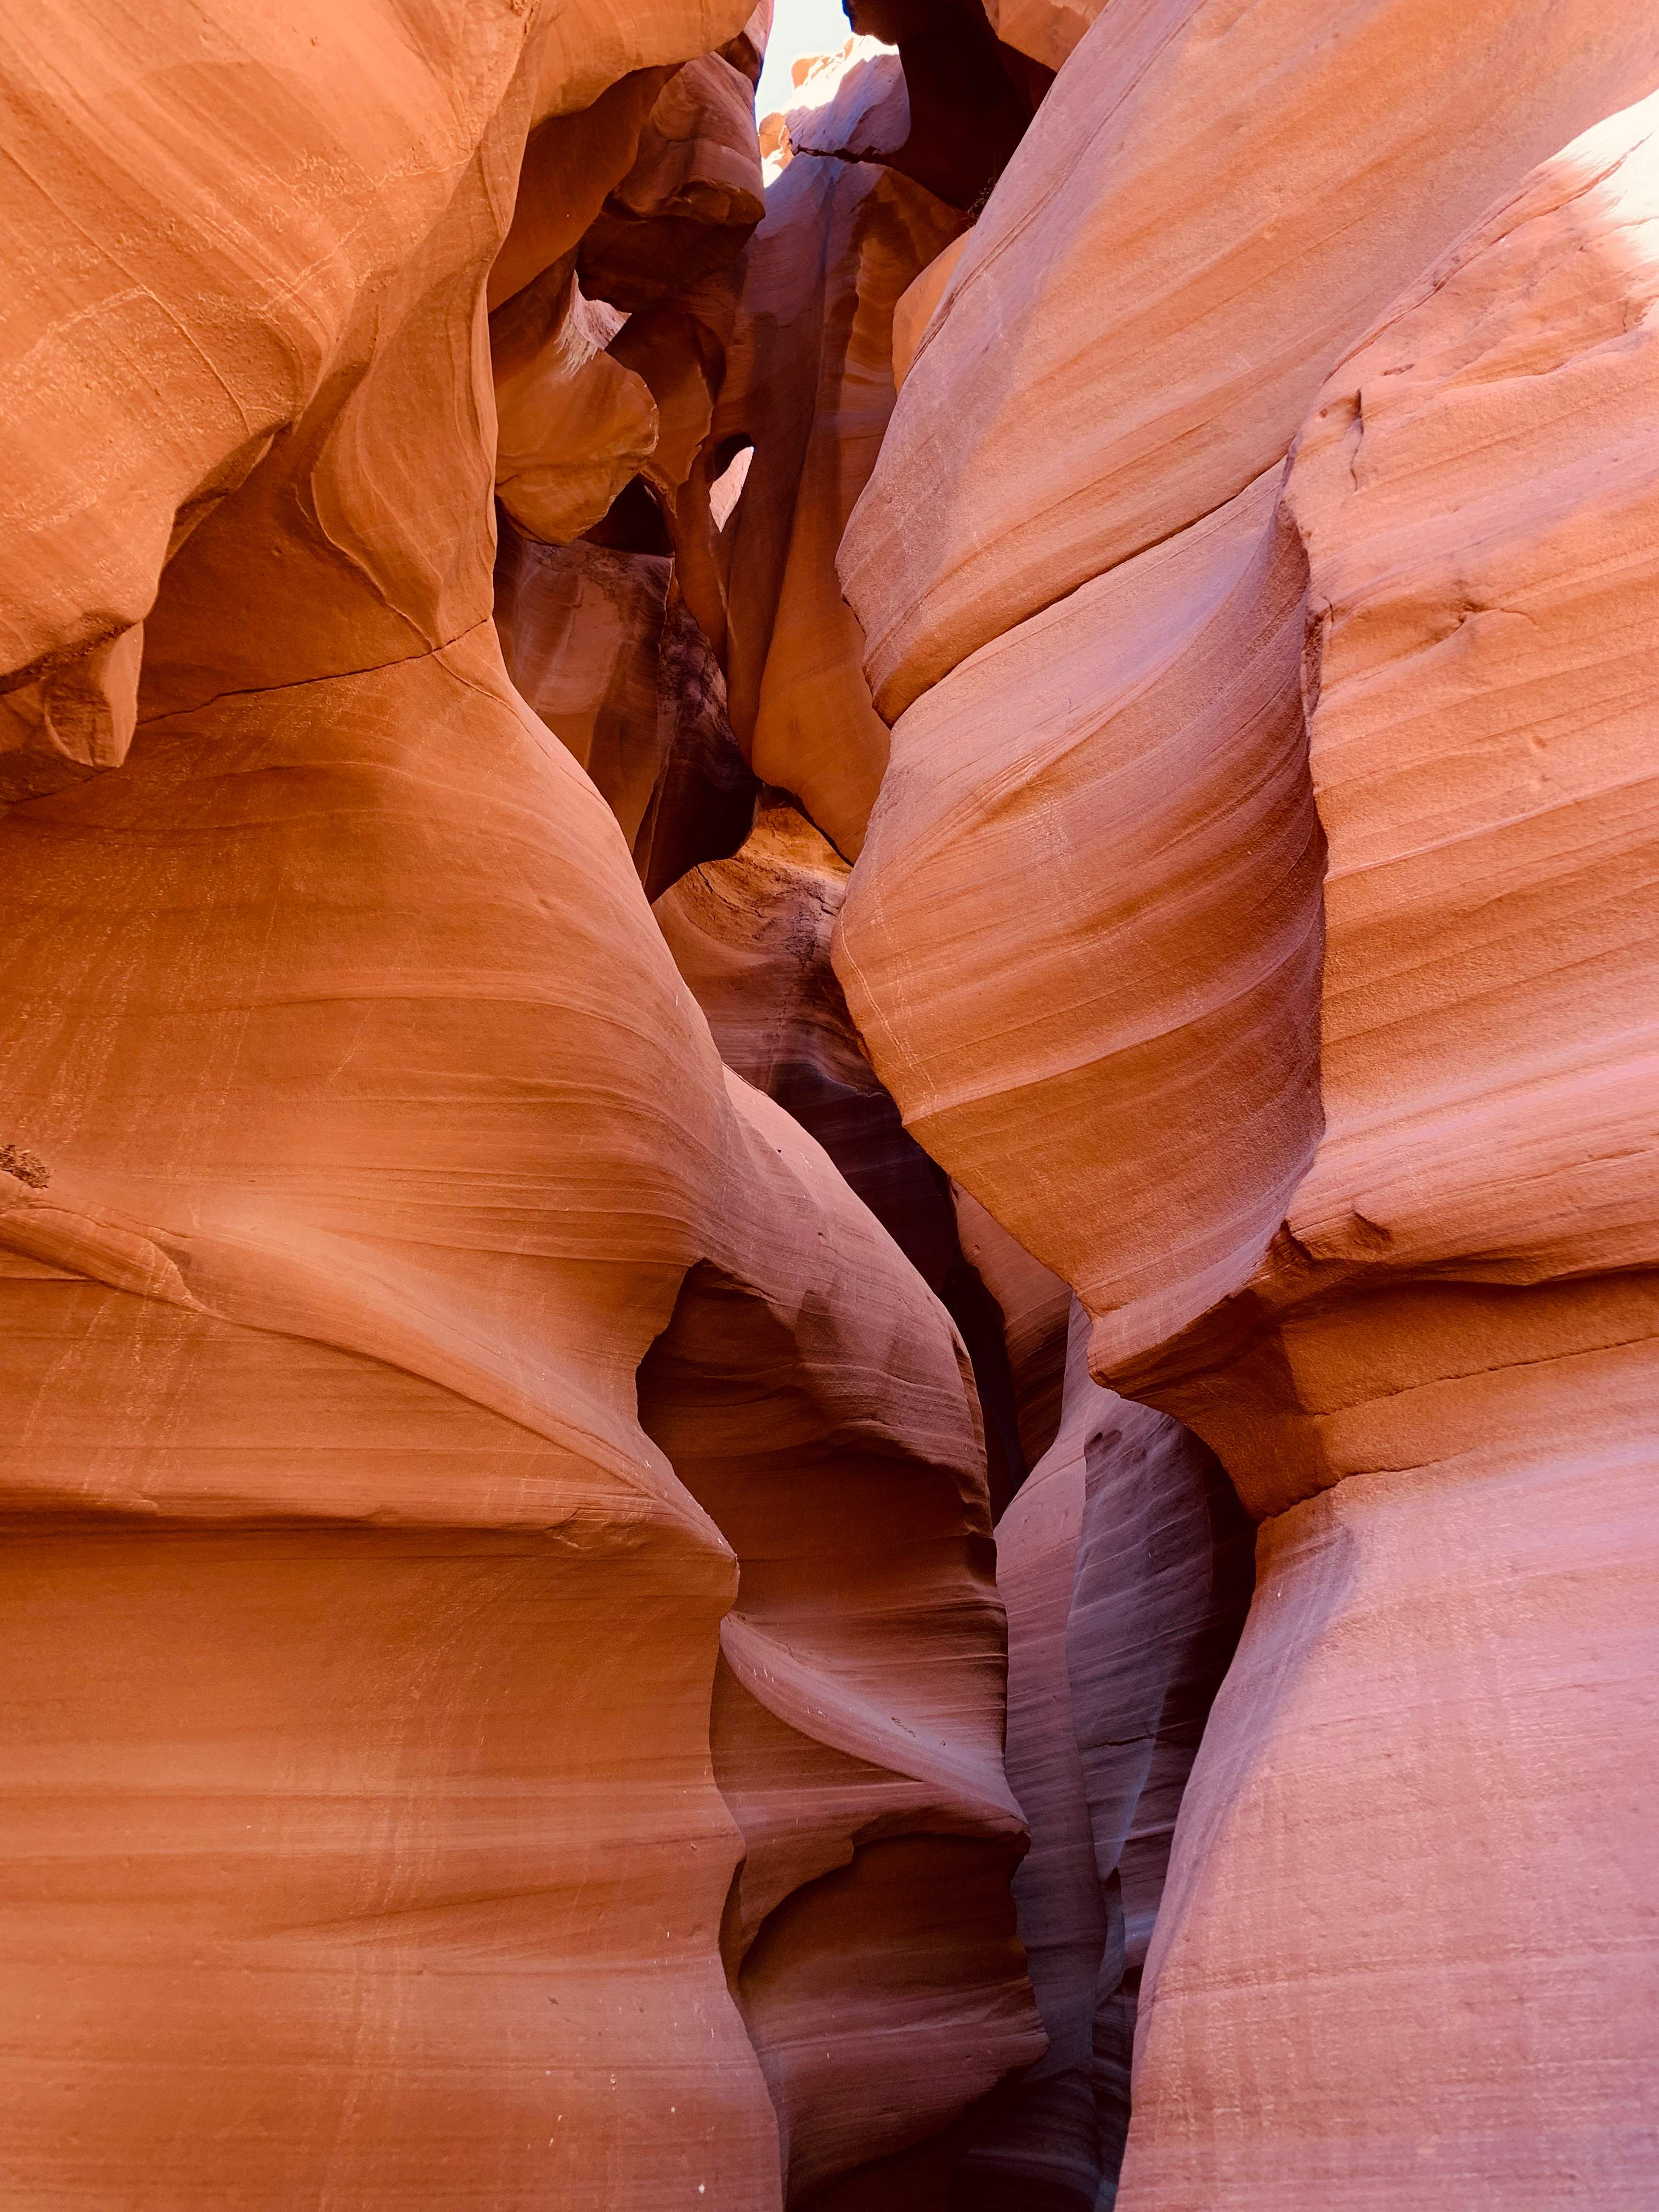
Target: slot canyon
828, 1255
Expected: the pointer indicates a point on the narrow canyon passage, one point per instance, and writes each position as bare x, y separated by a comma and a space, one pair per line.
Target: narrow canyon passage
828, 1217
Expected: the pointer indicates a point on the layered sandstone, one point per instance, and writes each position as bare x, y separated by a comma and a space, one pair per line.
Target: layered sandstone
751, 937
1170, 339
809, 386
555, 1172
374, 1216
1126, 1564
1372, 1219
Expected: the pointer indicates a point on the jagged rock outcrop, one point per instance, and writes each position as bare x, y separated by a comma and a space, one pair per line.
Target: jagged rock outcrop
1373, 1222
377, 1223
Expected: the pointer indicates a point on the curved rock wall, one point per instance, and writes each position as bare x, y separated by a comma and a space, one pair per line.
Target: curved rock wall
555, 1173
373, 1208
1371, 1219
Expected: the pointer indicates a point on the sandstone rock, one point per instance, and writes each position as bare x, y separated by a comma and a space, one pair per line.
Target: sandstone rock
580, 629
1039, 2141
1159, 1018
1047, 30
1126, 1566
752, 937
678, 348
918, 303
857, 1732
692, 196
809, 384
1432, 1381
966, 100
1036, 1307
1170, 339
311, 1351
585, 47
1451, 1362
366, 1841
703, 804
504, 1686
570, 164
152, 382
572, 425
601, 644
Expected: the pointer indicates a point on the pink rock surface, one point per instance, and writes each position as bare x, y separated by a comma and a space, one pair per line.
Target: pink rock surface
1373, 1972
1047, 30
1462, 1334
1036, 1307
752, 935
918, 303
529, 1282
369, 1838
1126, 1564
1124, 351
811, 385
1155, 717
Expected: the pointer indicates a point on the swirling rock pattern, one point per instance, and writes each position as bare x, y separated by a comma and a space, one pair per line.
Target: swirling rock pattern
554, 1174
1394, 1194
1125, 353
377, 1206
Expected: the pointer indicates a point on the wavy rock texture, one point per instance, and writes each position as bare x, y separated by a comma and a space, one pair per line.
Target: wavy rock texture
1156, 716
858, 1708
1375, 1229
1126, 1564
751, 937
1460, 1321
810, 385
1336, 168
602, 645
369, 1178
506, 1679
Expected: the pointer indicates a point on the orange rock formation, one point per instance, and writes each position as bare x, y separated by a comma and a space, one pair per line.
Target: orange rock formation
1314, 1066
577, 1108
430, 1378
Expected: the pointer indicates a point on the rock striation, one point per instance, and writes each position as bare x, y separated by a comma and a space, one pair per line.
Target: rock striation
1014, 474
1314, 1067
501, 1629
577, 1108
1126, 1564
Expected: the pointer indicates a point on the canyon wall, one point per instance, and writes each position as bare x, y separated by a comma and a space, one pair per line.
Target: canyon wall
1268, 572
827, 1216
501, 1634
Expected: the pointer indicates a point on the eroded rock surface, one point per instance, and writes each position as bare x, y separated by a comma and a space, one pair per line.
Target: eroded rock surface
1375, 1219
555, 1174
1126, 352
375, 1205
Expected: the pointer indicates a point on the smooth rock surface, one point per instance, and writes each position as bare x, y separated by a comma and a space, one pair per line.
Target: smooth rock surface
1412, 1311
811, 385
1126, 351
368, 1839
1126, 1564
